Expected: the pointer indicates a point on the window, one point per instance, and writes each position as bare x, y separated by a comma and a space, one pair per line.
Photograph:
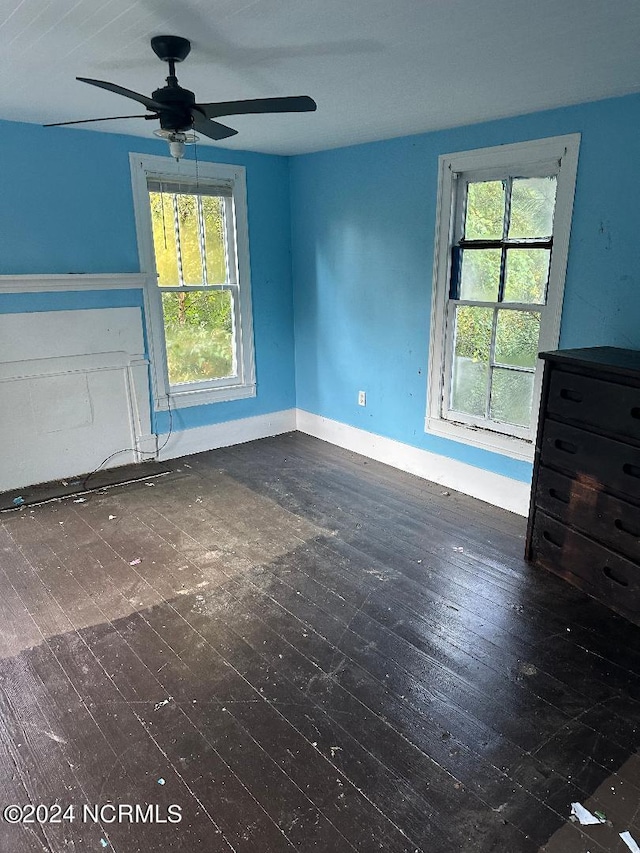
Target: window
192, 236
504, 216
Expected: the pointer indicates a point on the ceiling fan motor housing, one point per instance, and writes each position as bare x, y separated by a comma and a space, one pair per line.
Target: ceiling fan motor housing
179, 102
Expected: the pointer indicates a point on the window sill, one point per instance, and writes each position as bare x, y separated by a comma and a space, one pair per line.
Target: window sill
204, 396
507, 445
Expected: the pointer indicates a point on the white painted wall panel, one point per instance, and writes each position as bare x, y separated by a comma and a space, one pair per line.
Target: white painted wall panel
73, 389
50, 334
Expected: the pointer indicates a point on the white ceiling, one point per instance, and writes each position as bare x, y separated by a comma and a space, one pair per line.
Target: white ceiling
377, 68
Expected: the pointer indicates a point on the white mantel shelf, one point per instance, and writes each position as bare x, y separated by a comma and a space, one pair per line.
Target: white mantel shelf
70, 281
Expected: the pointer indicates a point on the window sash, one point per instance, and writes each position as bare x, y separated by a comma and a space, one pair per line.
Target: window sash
458, 244
174, 190
223, 381
229, 230
485, 422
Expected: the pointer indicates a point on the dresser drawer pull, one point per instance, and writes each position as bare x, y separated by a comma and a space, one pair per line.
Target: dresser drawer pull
558, 497
549, 538
631, 470
621, 526
609, 574
570, 394
568, 447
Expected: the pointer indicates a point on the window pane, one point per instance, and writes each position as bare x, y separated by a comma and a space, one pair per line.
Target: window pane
526, 276
214, 239
480, 274
511, 396
470, 373
164, 238
199, 333
533, 202
189, 239
485, 211
517, 334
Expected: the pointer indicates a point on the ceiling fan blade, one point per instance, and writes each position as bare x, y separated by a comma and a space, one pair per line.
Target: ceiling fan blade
87, 120
149, 103
295, 104
212, 129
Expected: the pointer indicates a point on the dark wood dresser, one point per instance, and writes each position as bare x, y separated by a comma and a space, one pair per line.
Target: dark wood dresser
584, 520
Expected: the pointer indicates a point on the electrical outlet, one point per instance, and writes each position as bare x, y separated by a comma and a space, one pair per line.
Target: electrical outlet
362, 398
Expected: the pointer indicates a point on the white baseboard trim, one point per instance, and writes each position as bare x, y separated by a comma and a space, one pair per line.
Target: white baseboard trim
212, 436
493, 488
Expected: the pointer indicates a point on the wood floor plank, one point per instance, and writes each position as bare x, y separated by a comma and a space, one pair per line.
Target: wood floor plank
298, 600
312, 827
562, 593
98, 765
290, 638
345, 724
628, 659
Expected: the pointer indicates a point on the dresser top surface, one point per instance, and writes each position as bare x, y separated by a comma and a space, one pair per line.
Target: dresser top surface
612, 359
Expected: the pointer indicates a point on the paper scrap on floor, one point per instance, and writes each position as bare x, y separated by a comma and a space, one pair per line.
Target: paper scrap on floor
584, 815
630, 842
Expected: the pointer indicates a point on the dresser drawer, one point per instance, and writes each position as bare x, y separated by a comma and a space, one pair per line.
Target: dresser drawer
612, 521
609, 406
596, 460
585, 563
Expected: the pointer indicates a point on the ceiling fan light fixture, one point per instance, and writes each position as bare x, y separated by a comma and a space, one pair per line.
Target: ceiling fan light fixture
176, 148
177, 140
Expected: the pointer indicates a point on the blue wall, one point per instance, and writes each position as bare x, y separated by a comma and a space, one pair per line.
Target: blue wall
360, 222
363, 224
66, 206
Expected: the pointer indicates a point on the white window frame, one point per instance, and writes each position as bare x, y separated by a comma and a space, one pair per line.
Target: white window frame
557, 155
146, 167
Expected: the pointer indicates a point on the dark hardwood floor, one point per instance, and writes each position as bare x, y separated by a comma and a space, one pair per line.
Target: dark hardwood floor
305, 650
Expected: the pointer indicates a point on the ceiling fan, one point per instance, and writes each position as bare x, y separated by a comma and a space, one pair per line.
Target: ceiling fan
176, 108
